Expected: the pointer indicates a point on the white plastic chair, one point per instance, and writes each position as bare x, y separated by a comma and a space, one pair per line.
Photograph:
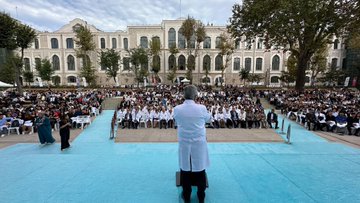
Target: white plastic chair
11, 127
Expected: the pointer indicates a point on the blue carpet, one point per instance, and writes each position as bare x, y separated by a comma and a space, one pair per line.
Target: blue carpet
96, 169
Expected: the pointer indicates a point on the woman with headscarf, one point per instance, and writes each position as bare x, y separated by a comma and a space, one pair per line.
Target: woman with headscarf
64, 131
44, 129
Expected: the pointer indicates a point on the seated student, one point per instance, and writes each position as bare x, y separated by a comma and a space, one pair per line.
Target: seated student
126, 122
250, 117
120, 115
136, 116
320, 121
311, 119
351, 119
356, 125
341, 120
155, 118
272, 118
170, 116
242, 117
163, 117
150, 116
4, 124
227, 118
330, 121
219, 119
234, 117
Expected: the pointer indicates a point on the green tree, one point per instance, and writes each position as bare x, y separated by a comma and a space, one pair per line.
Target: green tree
227, 48
154, 52
244, 75
139, 60
172, 73
253, 77
207, 71
194, 33
86, 46
110, 60
332, 76
318, 63
8, 69
301, 26
28, 76
15, 35
45, 71
289, 76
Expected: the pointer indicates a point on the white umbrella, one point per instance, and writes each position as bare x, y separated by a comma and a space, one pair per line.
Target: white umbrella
2, 84
185, 81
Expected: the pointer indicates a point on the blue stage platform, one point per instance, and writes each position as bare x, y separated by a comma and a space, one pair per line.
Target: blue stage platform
96, 169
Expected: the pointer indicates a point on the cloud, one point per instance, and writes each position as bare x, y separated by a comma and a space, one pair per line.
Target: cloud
114, 15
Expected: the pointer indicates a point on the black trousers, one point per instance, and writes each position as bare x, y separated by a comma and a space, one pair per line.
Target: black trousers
189, 178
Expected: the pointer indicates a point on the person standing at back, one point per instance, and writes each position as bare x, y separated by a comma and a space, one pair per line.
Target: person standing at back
193, 152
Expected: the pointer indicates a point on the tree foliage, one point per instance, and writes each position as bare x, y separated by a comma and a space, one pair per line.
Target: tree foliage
44, 69
301, 26
172, 73
154, 52
253, 77
332, 77
28, 76
110, 60
8, 69
139, 58
244, 75
289, 76
227, 48
318, 63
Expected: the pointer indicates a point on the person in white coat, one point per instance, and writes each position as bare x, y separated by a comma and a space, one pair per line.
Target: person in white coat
193, 152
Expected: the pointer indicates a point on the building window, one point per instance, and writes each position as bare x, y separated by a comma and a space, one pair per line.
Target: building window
207, 43
71, 79
276, 63
156, 61
182, 62
334, 63
114, 44
218, 81
205, 80
172, 38
27, 64
69, 43
102, 43
191, 62
36, 43
274, 79
236, 64
144, 42
56, 80
126, 43
37, 62
102, 67
71, 62
248, 64
259, 63
156, 39
237, 43
192, 42
344, 64
217, 42
336, 44
260, 44
218, 62
171, 62
54, 43
126, 63
181, 39
207, 63
56, 62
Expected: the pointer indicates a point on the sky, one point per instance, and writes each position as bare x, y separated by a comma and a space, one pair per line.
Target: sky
112, 15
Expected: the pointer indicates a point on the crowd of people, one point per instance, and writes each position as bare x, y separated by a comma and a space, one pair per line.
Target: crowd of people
230, 107
332, 110
31, 111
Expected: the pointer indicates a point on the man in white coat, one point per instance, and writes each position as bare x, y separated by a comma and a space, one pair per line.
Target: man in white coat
193, 152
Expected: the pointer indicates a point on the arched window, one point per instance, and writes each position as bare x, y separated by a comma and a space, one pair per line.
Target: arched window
207, 43
276, 63
237, 43
207, 63
336, 44
126, 43
54, 43
259, 62
334, 63
218, 81
56, 62
69, 43
260, 43
192, 42
144, 42
71, 62
156, 62
156, 39
71, 79
248, 64
274, 79
191, 62
37, 62
236, 64
36, 43
217, 42
218, 62
205, 80
102, 43
171, 62
114, 43
182, 62
172, 38
181, 39
27, 64
126, 63
56, 80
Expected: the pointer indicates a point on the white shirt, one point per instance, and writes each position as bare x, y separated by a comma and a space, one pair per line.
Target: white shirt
163, 115
193, 152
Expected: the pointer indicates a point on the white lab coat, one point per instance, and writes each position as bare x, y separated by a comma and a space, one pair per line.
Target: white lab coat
191, 118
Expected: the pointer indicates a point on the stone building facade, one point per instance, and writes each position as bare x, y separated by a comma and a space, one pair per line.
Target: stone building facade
59, 48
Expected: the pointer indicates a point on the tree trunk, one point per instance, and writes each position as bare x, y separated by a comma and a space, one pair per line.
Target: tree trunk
301, 69
17, 74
